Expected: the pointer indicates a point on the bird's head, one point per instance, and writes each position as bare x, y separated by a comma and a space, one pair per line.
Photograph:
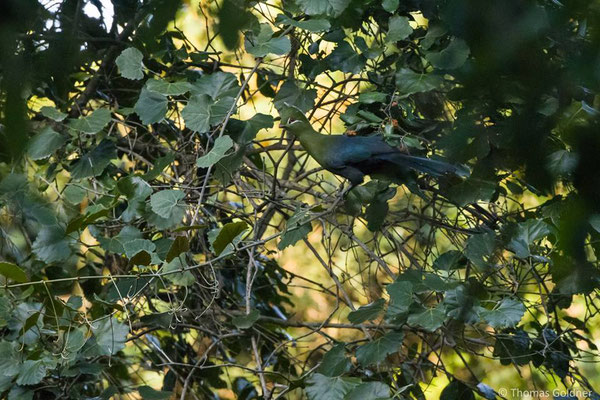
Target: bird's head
293, 119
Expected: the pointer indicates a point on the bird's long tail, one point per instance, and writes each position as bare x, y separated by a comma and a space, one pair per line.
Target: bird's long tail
426, 165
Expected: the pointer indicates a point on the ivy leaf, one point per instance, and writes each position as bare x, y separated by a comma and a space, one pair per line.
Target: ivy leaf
460, 305
74, 340
399, 29
452, 57
409, 82
562, 162
31, 372
376, 351
13, 272
335, 362
331, 8
53, 113
471, 190
216, 85
430, 319
228, 235
312, 25
507, 315
135, 246
110, 335
366, 313
52, 245
221, 146
201, 112
180, 245
479, 247
168, 88
450, 260
369, 391
130, 64
182, 278
151, 106
167, 203
456, 390
94, 162
291, 94
296, 228
45, 143
525, 236
92, 123
246, 321
390, 5
344, 58
319, 387
149, 393
264, 43
401, 298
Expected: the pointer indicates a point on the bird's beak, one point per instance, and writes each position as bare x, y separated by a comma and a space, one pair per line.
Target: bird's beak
286, 123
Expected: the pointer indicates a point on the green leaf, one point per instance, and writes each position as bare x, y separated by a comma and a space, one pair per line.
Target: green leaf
182, 278
399, 29
221, 146
409, 82
507, 314
390, 5
335, 362
452, 57
246, 321
234, 17
92, 123
136, 246
449, 261
201, 112
369, 391
45, 143
149, 393
376, 351
13, 272
180, 245
331, 8
562, 162
430, 319
320, 387
74, 340
480, 247
9, 359
31, 372
372, 97
20, 393
456, 390
296, 228
472, 190
217, 85
460, 305
311, 25
367, 313
167, 203
53, 113
227, 235
110, 335
291, 94
94, 162
168, 88
52, 245
344, 58
527, 233
151, 106
401, 297
130, 63
74, 194
264, 43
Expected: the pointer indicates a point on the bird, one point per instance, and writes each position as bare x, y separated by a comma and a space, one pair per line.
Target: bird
354, 157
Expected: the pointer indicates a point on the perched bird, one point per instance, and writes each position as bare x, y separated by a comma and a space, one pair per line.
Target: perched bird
353, 157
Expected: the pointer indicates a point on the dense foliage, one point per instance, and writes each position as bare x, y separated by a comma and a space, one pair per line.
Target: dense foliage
148, 199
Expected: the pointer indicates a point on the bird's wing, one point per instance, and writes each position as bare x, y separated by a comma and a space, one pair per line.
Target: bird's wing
350, 150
